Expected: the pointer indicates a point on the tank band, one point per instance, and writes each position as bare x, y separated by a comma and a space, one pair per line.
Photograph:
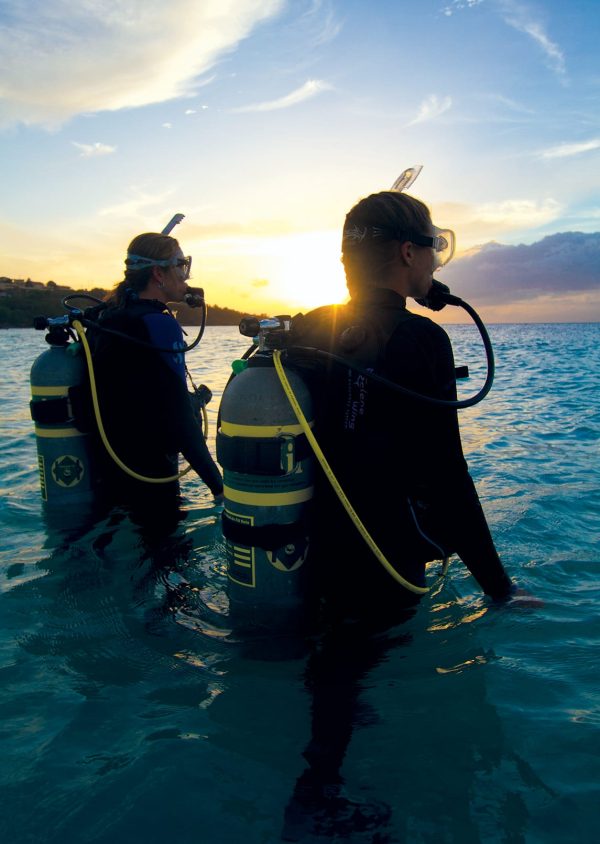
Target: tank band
261, 456
51, 411
268, 537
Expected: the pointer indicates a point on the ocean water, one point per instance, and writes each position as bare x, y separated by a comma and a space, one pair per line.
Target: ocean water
130, 710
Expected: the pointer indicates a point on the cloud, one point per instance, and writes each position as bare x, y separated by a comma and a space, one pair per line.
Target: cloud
138, 205
93, 150
521, 18
567, 150
431, 108
517, 213
323, 21
513, 105
60, 58
260, 282
487, 220
457, 5
305, 92
558, 265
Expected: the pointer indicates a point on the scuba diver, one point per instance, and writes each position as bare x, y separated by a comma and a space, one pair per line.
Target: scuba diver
398, 458
147, 413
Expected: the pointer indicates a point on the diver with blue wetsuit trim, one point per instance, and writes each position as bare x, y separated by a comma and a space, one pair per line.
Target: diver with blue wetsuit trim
138, 358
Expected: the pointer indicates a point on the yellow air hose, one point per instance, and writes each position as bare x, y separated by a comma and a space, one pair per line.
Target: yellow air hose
418, 590
88, 356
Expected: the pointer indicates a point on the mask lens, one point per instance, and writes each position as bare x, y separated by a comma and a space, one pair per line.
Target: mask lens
186, 265
444, 247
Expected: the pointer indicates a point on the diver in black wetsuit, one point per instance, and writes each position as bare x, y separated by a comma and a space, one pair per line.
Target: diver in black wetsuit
145, 406
399, 460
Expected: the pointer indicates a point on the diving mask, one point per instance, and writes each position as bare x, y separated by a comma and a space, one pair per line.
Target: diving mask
442, 241
139, 262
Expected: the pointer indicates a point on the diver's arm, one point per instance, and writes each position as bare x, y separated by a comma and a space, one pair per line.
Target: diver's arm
473, 541
184, 431
194, 449
457, 511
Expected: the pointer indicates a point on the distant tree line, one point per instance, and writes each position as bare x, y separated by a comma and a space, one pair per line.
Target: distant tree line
21, 302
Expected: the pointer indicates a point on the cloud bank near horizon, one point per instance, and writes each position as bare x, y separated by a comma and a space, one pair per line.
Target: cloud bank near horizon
60, 59
558, 265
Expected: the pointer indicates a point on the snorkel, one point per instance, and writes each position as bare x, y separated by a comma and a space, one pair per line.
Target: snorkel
194, 297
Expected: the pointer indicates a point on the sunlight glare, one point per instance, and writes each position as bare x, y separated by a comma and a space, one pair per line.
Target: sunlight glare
306, 269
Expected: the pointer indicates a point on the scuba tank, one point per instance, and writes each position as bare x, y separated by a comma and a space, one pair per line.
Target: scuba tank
64, 406
268, 483
64, 451
265, 441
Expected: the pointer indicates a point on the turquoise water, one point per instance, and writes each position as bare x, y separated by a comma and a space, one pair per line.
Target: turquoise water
129, 711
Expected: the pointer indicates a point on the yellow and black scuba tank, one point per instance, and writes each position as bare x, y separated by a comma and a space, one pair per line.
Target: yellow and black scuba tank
268, 483
58, 380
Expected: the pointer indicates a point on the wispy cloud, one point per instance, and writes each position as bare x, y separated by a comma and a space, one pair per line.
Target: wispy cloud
138, 205
517, 213
93, 150
431, 108
513, 105
522, 18
323, 20
493, 219
305, 92
457, 5
69, 59
567, 150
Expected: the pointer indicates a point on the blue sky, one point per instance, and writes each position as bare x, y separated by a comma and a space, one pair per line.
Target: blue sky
264, 121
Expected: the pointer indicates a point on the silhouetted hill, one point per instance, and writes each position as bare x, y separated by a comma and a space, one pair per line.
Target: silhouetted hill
21, 302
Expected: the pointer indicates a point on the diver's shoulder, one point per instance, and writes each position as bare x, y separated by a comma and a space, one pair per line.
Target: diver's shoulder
422, 327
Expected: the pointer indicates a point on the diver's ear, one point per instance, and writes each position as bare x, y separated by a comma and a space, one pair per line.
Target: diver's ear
405, 251
158, 275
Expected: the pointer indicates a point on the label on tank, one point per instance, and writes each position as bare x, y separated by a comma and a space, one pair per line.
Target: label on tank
67, 470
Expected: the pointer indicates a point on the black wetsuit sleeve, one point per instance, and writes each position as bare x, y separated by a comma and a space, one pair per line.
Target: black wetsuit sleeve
188, 437
419, 356
183, 430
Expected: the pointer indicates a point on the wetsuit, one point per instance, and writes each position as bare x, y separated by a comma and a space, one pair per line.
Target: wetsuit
145, 406
395, 457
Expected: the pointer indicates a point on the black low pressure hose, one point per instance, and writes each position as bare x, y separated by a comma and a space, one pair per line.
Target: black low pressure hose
458, 404
76, 313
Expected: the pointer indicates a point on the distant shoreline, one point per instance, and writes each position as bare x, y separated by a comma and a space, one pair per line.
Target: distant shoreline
22, 301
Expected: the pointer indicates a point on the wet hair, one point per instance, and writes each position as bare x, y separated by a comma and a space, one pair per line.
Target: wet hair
149, 245
369, 235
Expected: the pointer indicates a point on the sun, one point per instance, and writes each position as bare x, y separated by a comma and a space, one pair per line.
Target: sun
306, 270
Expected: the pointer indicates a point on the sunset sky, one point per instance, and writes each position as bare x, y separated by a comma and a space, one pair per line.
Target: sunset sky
264, 121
